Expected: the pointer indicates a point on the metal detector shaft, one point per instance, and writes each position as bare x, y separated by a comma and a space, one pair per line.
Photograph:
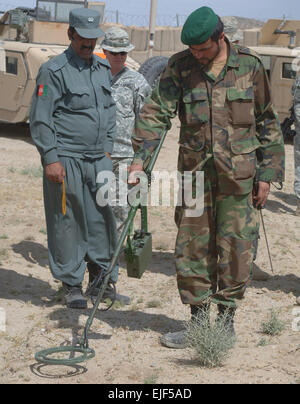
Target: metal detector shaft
155, 154
114, 260
119, 246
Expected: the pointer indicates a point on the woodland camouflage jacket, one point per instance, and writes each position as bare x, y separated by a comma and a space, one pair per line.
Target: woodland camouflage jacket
230, 119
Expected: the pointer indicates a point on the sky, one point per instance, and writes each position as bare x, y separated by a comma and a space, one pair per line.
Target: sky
259, 9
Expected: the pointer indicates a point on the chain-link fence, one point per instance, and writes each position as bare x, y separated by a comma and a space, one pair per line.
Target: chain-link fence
115, 16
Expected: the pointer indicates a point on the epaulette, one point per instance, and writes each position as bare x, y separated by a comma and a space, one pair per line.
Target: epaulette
247, 51
57, 62
178, 56
102, 61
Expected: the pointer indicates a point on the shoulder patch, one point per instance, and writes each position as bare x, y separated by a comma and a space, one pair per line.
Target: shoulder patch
248, 51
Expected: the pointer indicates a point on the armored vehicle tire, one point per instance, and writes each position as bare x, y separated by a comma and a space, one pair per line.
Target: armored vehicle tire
152, 69
288, 131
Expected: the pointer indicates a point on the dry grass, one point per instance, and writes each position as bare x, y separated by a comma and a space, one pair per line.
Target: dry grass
273, 325
210, 342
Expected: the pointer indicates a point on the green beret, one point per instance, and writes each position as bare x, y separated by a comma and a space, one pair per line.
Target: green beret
199, 26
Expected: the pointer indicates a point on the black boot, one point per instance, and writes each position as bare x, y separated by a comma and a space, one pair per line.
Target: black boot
227, 313
74, 297
110, 291
177, 339
94, 273
200, 312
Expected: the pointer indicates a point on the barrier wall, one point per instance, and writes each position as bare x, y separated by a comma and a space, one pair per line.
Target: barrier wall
166, 41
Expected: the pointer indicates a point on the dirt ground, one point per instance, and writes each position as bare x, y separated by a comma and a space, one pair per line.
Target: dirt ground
126, 339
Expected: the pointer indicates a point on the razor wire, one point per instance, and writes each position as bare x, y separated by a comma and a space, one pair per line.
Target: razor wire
114, 16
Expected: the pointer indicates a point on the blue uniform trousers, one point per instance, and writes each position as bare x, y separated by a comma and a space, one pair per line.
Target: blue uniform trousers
87, 232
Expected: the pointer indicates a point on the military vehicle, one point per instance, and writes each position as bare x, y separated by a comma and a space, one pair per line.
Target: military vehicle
33, 36
281, 65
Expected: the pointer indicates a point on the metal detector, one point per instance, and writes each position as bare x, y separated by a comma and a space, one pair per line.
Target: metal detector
139, 245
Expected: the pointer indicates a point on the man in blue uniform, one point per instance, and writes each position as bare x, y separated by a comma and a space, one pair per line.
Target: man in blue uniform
73, 125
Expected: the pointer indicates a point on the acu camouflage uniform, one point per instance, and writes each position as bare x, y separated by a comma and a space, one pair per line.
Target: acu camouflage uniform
129, 90
296, 95
229, 129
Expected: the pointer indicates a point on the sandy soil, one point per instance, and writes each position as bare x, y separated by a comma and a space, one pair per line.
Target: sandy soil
126, 339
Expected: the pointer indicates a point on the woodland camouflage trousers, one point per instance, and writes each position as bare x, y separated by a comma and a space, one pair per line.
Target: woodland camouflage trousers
214, 252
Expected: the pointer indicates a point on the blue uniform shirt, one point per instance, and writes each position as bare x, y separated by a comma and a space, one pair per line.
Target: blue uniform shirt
73, 112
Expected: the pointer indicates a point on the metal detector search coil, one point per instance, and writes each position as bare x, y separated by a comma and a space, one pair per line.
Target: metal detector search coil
44, 356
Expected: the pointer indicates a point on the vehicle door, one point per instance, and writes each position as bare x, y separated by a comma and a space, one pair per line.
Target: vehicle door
13, 78
282, 79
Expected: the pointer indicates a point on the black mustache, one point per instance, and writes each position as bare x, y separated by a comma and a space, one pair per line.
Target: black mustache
86, 47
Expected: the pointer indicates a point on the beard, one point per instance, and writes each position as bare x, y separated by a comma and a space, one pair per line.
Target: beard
207, 61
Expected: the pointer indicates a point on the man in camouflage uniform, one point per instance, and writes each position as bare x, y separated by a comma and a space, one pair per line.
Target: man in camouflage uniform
129, 90
296, 95
228, 127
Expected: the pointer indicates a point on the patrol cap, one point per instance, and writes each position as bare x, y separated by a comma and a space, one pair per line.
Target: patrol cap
199, 26
231, 29
230, 24
86, 22
117, 40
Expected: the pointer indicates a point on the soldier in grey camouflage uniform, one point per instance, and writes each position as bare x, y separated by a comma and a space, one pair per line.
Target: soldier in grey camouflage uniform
129, 90
296, 95
231, 29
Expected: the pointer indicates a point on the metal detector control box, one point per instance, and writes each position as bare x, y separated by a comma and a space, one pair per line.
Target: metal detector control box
138, 253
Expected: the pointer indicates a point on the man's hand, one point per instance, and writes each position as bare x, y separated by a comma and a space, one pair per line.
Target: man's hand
55, 172
108, 155
134, 168
260, 198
